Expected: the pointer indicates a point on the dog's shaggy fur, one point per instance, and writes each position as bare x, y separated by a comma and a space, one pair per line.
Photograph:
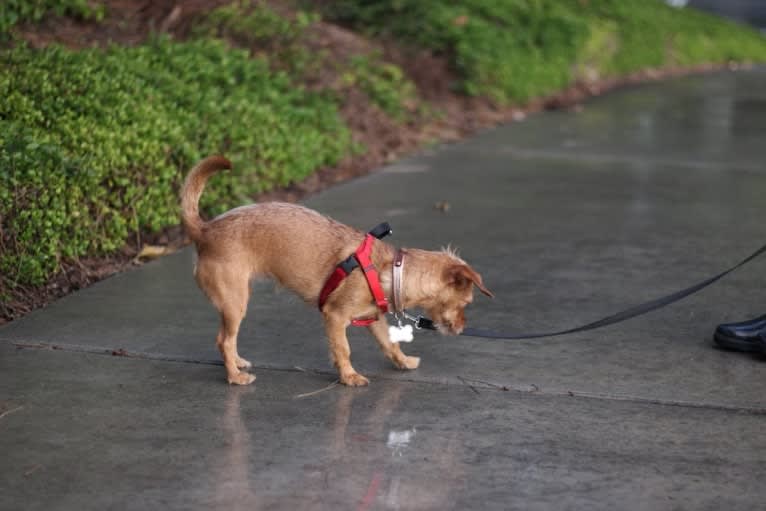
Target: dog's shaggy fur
300, 248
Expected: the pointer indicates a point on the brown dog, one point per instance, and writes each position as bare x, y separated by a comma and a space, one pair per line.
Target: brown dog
300, 248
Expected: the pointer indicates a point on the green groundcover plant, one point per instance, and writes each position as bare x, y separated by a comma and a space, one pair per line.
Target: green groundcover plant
284, 42
513, 50
13, 12
94, 143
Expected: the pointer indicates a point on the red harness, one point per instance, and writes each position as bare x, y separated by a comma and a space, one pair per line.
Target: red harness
361, 258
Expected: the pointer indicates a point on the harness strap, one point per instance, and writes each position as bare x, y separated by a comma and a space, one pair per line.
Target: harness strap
332, 283
363, 254
362, 257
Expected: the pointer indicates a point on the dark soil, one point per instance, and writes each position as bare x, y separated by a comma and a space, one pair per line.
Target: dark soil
131, 21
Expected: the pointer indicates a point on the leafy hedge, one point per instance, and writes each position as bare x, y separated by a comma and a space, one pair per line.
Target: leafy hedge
17, 11
94, 144
270, 35
513, 50
284, 42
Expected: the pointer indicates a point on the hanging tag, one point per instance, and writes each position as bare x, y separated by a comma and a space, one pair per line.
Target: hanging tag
400, 333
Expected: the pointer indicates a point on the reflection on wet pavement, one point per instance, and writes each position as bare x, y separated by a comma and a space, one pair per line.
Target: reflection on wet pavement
362, 446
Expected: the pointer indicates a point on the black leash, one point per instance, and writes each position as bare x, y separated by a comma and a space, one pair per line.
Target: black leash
632, 312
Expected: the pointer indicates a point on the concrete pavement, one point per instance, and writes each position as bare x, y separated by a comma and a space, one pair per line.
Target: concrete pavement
569, 216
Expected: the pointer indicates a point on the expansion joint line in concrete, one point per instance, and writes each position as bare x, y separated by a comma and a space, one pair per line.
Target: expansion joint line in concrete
474, 384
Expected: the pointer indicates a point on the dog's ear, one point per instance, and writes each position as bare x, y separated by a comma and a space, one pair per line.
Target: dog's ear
462, 276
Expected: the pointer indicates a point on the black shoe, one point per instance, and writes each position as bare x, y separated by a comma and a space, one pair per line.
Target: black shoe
749, 336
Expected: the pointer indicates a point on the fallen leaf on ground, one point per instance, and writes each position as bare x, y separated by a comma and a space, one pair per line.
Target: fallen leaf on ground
149, 252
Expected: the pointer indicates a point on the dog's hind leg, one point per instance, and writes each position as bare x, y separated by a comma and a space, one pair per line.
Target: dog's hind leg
341, 352
227, 344
226, 341
391, 350
230, 296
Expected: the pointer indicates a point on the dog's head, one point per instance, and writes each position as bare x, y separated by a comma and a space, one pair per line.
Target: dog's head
456, 280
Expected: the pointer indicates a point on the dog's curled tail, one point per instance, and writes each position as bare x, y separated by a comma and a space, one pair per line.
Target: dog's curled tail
192, 190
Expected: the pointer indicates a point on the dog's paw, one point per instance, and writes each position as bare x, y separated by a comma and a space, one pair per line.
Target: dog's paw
411, 363
354, 380
243, 364
404, 362
241, 378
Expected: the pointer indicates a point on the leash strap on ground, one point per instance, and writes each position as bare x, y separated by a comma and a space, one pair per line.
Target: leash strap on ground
632, 312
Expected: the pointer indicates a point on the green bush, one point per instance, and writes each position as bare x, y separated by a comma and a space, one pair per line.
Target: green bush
94, 144
384, 84
17, 11
284, 42
652, 34
513, 50
271, 36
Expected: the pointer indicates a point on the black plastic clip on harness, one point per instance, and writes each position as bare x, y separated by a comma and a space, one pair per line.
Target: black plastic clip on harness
380, 231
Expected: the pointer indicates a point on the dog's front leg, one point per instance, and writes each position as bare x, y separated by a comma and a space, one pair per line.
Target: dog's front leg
391, 350
341, 352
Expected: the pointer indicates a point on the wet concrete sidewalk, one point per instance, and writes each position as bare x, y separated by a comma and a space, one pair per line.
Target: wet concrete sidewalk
569, 216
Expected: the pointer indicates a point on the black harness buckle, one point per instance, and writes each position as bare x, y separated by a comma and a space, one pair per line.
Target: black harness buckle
380, 231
